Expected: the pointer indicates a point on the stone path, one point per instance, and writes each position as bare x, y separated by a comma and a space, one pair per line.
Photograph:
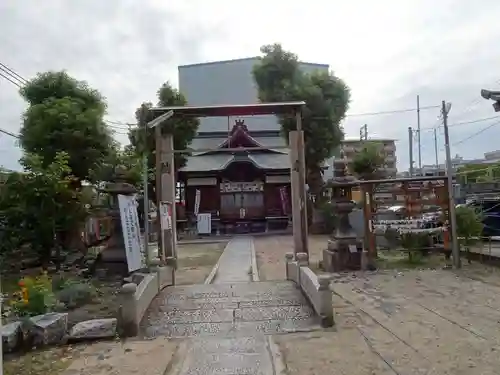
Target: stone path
228, 323
236, 261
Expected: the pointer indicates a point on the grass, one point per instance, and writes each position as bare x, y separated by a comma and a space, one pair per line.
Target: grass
399, 259
195, 261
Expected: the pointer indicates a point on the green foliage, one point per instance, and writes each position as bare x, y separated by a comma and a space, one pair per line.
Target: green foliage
368, 161
65, 115
121, 163
41, 299
471, 173
279, 79
469, 226
38, 205
75, 294
329, 217
183, 130
415, 243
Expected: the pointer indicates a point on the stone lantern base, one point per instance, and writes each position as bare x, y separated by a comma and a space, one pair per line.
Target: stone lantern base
338, 258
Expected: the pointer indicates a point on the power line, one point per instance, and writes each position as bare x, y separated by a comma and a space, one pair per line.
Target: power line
477, 133
8, 133
9, 79
391, 112
120, 123
13, 73
463, 123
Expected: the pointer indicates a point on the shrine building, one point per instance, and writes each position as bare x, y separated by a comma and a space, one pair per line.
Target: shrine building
244, 191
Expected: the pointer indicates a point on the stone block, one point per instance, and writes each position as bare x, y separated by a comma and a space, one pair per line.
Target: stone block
49, 329
94, 329
12, 337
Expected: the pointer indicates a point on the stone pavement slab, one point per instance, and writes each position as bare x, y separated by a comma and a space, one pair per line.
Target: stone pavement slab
236, 261
229, 323
241, 355
263, 307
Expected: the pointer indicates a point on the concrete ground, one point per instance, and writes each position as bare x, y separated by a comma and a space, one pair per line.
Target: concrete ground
396, 322
227, 326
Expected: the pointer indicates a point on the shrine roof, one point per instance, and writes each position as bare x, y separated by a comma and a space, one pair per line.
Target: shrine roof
213, 143
218, 162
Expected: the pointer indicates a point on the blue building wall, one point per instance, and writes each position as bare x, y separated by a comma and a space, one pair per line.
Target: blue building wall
227, 82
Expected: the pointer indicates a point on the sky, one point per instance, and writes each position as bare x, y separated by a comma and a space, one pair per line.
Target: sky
387, 51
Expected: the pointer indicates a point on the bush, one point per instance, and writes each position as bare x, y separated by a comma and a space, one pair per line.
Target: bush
40, 297
329, 217
74, 294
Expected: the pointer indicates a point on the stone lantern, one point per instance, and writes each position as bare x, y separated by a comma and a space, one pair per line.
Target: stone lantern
344, 252
113, 258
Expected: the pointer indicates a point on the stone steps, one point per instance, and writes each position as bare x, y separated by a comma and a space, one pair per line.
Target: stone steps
229, 310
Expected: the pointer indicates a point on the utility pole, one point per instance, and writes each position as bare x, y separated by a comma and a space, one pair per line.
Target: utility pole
418, 135
436, 151
449, 174
363, 133
410, 147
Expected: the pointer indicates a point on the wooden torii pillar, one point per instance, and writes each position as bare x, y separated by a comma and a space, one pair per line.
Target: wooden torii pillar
298, 185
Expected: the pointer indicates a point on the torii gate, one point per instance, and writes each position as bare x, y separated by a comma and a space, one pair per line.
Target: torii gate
165, 176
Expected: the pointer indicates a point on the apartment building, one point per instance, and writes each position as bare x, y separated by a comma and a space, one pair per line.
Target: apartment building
388, 147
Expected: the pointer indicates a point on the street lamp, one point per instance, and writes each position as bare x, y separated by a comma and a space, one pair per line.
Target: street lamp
492, 95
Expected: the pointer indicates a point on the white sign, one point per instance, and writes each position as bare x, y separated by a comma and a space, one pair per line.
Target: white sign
165, 216
131, 231
197, 199
231, 187
204, 223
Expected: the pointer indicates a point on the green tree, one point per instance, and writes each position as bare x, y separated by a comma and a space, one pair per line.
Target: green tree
279, 79
65, 115
121, 163
367, 162
183, 131
39, 205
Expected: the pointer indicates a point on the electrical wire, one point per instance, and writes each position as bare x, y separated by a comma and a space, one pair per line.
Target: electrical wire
476, 133
8, 78
462, 123
12, 73
8, 133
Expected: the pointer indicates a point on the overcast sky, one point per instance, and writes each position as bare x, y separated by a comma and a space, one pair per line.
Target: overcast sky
387, 51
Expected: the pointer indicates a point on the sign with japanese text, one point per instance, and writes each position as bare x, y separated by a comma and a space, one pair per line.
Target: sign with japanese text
131, 231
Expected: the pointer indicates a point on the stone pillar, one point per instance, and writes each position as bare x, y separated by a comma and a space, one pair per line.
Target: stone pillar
288, 260
299, 197
165, 191
295, 187
326, 303
128, 310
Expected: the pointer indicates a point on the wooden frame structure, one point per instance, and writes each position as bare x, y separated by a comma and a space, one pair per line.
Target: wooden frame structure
165, 174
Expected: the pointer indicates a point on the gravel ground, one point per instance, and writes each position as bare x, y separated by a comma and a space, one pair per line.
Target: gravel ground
396, 322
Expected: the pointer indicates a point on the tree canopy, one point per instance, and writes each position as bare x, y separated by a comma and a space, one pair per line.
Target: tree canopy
367, 162
279, 78
37, 206
183, 131
65, 115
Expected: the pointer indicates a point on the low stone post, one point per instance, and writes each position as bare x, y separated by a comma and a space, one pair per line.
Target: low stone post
128, 310
288, 261
325, 301
302, 259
